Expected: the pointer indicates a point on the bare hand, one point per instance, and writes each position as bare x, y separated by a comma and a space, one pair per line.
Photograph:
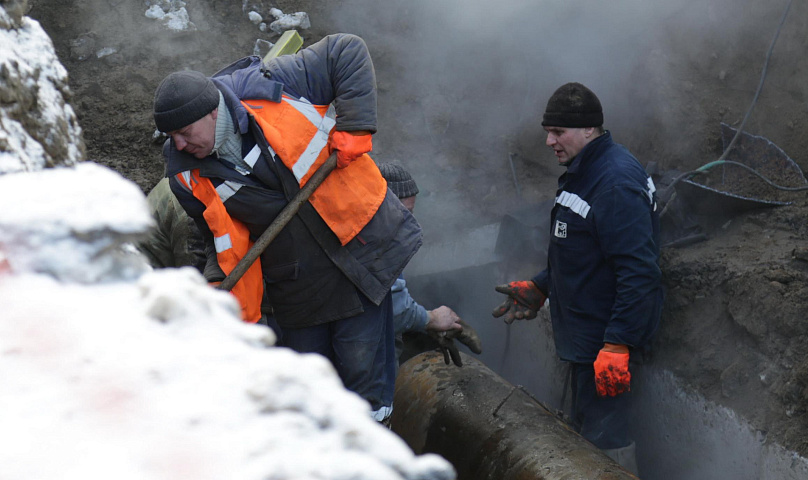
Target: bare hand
445, 326
443, 319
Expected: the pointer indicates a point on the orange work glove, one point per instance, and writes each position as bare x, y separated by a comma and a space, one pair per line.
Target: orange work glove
524, 301
350, 146
611, 370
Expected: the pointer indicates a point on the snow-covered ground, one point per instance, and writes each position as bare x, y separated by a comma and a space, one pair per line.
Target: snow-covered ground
112, 370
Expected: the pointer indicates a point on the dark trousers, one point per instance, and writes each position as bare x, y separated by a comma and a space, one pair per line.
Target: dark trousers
361, 348
601, 420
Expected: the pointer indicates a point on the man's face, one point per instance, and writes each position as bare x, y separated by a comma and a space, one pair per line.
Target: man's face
409, 202
197, 138
568, 142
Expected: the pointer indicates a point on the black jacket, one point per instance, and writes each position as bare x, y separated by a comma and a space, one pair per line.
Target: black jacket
310, 278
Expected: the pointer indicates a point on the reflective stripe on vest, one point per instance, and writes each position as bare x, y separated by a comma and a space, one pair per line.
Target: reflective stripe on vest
651, 191
299, 132
581, 207
573, 202
231, 239
253, 156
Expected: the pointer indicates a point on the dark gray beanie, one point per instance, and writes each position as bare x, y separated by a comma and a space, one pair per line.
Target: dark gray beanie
399, 180
183, 98
573, 106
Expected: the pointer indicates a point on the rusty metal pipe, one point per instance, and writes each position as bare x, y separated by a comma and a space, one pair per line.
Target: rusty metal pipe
488, 428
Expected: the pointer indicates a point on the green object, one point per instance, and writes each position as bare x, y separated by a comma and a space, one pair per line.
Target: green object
290, 42
710, 165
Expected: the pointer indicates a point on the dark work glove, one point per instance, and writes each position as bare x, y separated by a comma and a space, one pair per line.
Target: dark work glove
468, 337
447, 346
523, 302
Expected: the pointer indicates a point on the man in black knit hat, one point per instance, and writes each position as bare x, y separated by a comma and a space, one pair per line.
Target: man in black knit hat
602, 278
243, 143
442, 324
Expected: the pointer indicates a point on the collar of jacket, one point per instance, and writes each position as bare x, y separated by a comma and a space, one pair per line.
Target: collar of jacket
590, 152
227, 141
178, 161
243, 80
237, 111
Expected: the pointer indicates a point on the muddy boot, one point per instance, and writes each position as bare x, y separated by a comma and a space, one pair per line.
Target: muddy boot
625, 456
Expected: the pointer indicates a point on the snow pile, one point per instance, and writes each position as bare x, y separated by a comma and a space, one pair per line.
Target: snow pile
38, 128
110, 369
160, 379
72, 223
152, 372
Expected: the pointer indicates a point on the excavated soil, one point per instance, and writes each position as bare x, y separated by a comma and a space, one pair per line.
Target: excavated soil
734, 326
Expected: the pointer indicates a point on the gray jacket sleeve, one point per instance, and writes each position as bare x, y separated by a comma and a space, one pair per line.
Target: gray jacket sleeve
408, 315
337, 69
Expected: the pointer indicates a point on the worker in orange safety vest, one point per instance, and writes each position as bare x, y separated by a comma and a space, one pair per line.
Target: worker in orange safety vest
242, 144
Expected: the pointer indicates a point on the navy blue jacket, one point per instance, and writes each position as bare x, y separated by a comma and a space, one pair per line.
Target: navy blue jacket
603, 278
310, 277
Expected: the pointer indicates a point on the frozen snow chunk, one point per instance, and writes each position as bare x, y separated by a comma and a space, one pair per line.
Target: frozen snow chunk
255, 17
171, 14
178, 20
72, 222
289, 21
155, 12
106, 51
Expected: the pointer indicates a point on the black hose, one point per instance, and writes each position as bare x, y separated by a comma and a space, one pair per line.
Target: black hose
721, 159
760, 84
705, 168
747, 167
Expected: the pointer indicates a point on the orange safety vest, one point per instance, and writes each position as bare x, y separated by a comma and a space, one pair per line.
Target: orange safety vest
299, 133
232, 241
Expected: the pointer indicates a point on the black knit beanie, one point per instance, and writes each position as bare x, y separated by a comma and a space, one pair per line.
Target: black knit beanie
183, 98
399, 180
573, 106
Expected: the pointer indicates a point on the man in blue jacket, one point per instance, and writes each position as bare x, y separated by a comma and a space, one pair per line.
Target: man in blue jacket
246, 139
602, 279
441, 324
